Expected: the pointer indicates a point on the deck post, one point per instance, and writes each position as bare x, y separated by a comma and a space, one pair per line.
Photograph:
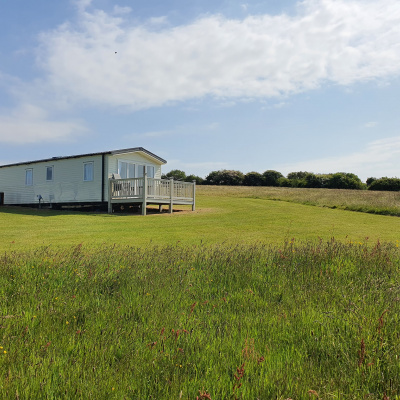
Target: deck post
171, 194
144, 193
194, 196
110, 196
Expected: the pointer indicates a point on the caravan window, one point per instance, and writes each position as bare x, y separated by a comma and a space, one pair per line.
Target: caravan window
49, 173
150, 171
126, 169
88, 171
29, 177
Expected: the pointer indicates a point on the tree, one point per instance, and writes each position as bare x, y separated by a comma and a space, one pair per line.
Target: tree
253, 179
344, 180
198, 179
225, 177
370, 180
175, 174
314, 180
297, 175
271, 177
285, 182
390, 184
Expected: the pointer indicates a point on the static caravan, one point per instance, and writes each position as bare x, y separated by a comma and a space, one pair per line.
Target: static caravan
126, 176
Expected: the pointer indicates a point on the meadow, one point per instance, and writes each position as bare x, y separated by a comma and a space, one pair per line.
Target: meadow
246, 298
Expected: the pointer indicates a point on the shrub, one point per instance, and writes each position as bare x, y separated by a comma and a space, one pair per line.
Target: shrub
176, 174
271, 177
314, 180
225, 177
390, 184
285, 182
370, 180
297, 175
343, 180
190, 178
253, 179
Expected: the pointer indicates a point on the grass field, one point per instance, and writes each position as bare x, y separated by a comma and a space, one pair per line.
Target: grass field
229, 214
295, 321
246, 298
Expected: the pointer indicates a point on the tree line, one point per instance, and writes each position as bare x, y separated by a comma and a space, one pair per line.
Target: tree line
300, 179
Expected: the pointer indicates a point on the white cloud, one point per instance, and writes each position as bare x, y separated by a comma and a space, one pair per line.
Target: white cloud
31, 124
334, 41
371, 124
378, 158
121, 10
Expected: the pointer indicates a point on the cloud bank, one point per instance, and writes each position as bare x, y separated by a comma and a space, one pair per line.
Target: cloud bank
377, 159
31, 124
109, 60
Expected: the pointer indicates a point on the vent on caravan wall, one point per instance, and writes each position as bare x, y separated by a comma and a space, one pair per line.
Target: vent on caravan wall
1, 199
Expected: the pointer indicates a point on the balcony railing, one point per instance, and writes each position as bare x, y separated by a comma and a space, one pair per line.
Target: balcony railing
151, 191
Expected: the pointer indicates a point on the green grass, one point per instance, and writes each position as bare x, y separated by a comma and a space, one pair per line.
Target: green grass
373, 202
224, 214
245, 298
223, 321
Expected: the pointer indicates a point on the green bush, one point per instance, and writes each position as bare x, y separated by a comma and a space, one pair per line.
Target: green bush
314, 180
176, 174
225, 177
285, 182
343, 180
253, 179
370, 180
297, 175
390, 184
199, 180
271, 177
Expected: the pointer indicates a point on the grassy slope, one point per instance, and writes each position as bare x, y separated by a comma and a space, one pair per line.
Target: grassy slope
223, 215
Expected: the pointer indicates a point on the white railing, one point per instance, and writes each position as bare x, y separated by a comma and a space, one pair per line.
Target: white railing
126, 188
152, 190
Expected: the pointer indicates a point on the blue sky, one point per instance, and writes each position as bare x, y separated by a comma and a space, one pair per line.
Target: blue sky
206, 84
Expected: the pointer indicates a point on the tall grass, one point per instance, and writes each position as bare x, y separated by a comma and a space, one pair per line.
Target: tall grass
302, 320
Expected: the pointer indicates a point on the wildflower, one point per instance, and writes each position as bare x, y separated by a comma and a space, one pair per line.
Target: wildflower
67, 322
4, 352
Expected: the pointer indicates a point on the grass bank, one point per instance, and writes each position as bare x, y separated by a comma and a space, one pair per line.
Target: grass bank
316, 319
373, 202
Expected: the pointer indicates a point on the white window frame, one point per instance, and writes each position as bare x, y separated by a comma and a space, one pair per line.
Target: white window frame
88, 174
130, 169
138, 169
51, 168
148, 167
29, 177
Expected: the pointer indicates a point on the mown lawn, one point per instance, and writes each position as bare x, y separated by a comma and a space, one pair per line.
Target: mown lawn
224, 214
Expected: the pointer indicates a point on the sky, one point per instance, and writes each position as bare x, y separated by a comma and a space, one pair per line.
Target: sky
207, 85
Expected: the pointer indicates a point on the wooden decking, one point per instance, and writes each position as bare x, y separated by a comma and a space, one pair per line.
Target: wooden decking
151, 191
